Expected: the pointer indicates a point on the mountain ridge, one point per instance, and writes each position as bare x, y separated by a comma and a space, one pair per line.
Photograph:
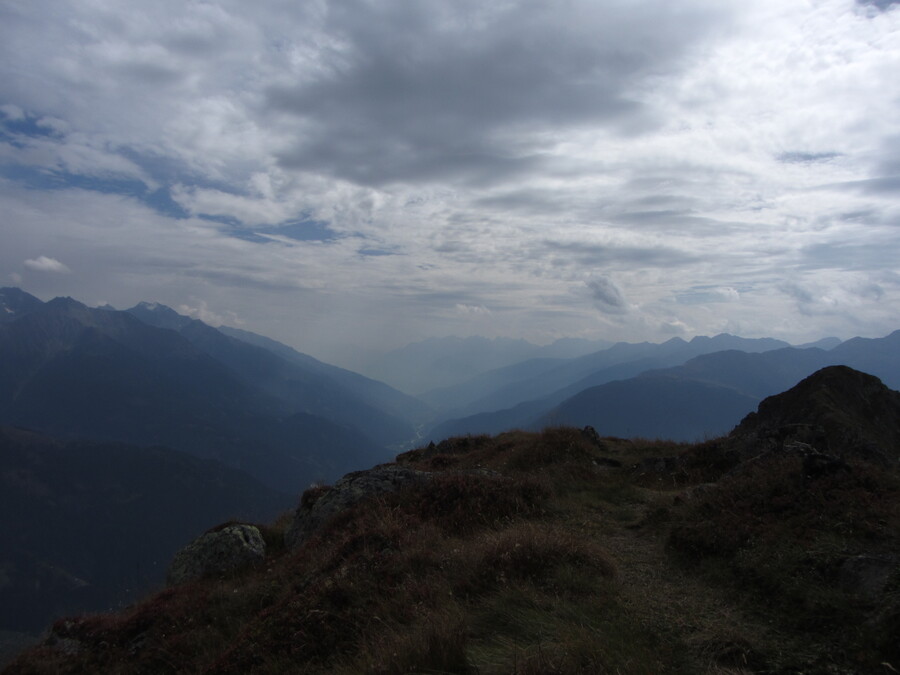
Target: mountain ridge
299, 388
573, 375
747, 374
75, 371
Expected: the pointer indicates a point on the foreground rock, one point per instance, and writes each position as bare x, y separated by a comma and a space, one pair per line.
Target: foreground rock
229, 548
321, 503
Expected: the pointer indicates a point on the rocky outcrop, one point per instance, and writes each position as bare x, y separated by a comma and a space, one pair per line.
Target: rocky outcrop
318, 504
837, 411
223, 550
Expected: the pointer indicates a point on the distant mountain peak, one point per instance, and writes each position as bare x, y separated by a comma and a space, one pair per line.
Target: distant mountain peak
14, 302
64, 303
159, 315
738, 342
157, 307
824, 343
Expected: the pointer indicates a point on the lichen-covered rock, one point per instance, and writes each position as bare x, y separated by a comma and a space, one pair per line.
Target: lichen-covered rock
319, 504
216, 552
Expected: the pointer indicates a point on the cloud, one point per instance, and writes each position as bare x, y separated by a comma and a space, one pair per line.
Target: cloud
622, 253
202, 312
419, 93
708, 294
823, 296
673, 328
607, 296
45, 264
12, 112
472, 309
264, 158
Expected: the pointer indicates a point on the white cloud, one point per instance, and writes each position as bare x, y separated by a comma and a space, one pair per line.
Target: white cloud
202, 312
472, 309
45, 264
250, 210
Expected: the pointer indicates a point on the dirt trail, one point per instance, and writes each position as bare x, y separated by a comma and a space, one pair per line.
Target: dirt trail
669, 600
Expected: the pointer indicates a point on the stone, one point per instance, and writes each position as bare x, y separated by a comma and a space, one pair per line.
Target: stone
217, 552
590, 434
319, 504
695, 492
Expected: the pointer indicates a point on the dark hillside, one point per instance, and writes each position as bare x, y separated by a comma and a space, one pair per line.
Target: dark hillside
653, 407
88, 526
872, 355
76, 372
372, 392
297, 388
14, 303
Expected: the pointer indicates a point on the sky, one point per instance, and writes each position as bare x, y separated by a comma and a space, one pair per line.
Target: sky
348, 176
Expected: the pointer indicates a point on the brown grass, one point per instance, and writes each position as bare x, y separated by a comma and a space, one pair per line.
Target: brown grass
530, 553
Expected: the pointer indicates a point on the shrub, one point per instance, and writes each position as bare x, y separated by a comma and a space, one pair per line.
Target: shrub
463, 502
533, 553
435, 643
785, 535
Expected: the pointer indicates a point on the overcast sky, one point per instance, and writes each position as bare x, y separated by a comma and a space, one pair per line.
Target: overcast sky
349, 175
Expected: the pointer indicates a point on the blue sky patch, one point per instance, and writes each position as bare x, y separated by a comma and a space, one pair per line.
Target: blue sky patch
302, 230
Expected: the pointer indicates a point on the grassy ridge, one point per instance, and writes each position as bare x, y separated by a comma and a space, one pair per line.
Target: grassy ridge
549, 552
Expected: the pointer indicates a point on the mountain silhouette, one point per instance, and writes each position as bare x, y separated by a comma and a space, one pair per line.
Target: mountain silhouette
736, 375
14, 303
90, 526
298, 387
76, 372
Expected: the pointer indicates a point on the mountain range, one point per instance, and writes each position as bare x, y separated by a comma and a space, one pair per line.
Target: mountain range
435, 363
538, 378
703, 397
150, 376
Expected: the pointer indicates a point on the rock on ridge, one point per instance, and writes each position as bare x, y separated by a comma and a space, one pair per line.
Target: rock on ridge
216, 552
318, 504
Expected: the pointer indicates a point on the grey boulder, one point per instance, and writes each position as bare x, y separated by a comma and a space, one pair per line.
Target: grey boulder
217, 552
320, 504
